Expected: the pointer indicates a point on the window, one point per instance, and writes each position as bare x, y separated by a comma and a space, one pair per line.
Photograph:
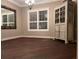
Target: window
38, 20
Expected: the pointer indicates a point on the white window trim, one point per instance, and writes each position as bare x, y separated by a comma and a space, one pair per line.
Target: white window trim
38, 19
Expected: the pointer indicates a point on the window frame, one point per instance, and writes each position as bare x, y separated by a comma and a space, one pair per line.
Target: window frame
37, 11
7, 19
9, 27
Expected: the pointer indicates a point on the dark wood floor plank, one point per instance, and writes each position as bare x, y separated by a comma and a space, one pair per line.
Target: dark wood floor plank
34, 48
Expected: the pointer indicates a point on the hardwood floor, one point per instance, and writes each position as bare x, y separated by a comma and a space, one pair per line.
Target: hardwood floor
29, 48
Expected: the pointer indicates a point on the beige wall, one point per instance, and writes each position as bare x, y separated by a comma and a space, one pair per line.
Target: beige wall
49, 33
12, 32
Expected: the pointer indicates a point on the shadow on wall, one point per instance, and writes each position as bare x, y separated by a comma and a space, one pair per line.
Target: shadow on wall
75, 21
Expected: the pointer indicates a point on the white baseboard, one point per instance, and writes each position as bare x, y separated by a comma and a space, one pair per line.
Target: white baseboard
39, 37
9, 38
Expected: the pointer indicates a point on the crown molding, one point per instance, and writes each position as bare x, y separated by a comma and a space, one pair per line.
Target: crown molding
44, 2
15, 3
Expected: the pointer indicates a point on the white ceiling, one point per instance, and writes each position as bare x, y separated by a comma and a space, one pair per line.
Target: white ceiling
21, 3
